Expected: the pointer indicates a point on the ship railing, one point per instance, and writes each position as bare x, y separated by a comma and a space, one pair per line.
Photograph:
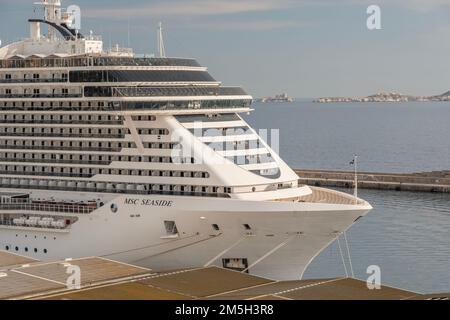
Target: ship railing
94, 37
38, 160
176, 91
60, 148
136, 105
39, 95
59, 80
329, 196
63, 135
86, 61
112, 122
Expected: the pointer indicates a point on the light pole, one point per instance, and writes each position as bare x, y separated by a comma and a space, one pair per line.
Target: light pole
355, 165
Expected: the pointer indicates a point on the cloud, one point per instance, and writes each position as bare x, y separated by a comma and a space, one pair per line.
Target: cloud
423, 6
191, 8
416, 5
259, 25
16, 2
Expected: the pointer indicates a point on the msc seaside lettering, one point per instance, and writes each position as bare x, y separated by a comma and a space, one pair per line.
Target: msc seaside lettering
149, 202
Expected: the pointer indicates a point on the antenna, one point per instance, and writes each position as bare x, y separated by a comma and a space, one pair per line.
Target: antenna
162, 50
128, 35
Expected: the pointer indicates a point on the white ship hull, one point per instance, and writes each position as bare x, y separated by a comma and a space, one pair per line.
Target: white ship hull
282, 240
146, 160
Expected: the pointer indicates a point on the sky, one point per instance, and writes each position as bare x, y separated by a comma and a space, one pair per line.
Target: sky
306, 48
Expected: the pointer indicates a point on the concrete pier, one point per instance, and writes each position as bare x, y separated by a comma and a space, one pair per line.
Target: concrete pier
435, 181
103, 279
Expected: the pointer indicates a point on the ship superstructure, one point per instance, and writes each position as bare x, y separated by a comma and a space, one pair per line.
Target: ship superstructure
145, 160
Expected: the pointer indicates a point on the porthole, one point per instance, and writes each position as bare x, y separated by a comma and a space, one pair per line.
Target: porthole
7, 248
114, 208
215, 227
17, 248
45, 250
26, 249
35, 250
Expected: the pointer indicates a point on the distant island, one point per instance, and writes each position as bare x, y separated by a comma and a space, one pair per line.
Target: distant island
386, 97
278, 98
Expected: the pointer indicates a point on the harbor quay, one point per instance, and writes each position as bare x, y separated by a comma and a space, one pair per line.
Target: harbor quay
433, 181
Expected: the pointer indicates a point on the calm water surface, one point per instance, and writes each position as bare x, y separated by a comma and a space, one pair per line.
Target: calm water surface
392, 137
406, 234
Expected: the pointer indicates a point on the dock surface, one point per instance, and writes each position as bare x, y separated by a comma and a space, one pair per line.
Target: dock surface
434, 181
103, 279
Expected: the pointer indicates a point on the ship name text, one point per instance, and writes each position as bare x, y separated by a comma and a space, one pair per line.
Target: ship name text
149, 202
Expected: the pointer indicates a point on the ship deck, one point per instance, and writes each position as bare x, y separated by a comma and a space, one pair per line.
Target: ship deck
103, 279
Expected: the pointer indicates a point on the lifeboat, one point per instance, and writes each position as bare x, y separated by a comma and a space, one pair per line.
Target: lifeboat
58, 224
19, 221
45, 222
32, 221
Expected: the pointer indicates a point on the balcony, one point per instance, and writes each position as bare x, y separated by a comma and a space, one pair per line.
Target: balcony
87, 188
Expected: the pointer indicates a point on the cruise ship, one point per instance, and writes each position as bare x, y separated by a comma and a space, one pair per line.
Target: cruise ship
147, 161
278, 98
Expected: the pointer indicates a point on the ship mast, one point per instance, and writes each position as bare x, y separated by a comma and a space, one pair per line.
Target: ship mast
161, 49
